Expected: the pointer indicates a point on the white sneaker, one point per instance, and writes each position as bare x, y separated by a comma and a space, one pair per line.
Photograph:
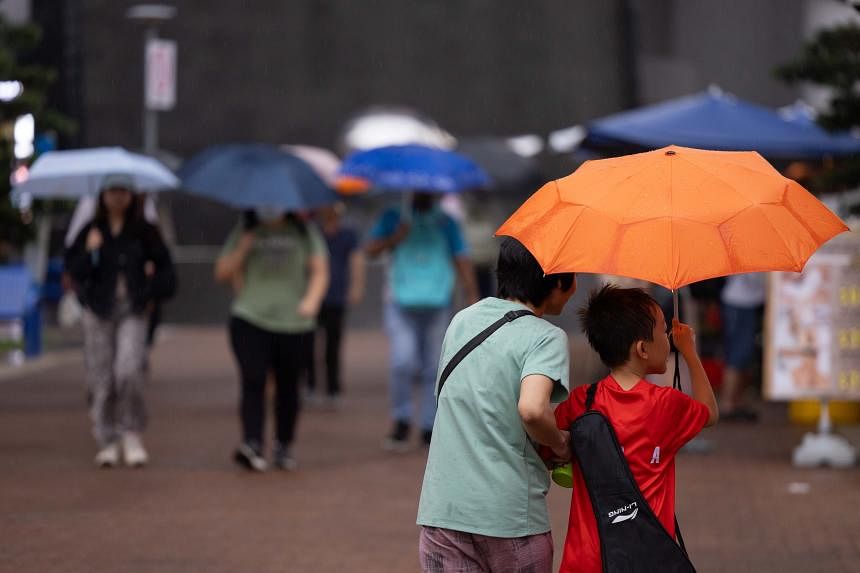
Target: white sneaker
248, 456
133, 450
108, 456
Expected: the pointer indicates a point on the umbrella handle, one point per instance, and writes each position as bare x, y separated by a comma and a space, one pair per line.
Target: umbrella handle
676, 378
675, 304
406, 207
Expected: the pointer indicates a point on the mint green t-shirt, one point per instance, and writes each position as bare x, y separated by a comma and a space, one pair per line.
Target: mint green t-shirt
276, 277
483, 473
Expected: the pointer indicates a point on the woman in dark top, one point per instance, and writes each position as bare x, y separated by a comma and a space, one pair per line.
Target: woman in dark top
120, 269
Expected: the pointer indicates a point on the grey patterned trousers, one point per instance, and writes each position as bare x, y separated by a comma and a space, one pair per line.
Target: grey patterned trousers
449, 551
114, 351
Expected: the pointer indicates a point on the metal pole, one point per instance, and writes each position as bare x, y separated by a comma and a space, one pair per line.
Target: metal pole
676, 379
675, 304
825, 426
150, 116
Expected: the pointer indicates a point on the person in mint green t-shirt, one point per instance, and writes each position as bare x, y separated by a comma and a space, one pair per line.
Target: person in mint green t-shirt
485, 483
277, 264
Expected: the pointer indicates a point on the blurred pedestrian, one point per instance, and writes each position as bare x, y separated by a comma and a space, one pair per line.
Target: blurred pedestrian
345, 289
743, 299
120, 269
277, 264
427, 252
85, 211
483, 500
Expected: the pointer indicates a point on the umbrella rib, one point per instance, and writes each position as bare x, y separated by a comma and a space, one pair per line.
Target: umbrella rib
567, 233
718, 178
706, 166
795, 215
645, 165
676, 263
769, 222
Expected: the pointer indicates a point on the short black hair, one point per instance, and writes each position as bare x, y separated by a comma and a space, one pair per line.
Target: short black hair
614, 318
521, 277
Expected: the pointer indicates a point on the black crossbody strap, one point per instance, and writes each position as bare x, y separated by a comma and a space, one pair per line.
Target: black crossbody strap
476, 341
679, 538
589, 396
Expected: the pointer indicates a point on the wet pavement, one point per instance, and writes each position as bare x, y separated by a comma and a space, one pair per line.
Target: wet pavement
350, 506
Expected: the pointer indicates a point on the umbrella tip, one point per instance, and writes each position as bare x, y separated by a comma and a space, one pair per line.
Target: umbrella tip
671, 152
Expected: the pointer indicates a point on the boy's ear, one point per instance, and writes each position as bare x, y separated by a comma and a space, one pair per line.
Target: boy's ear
639, 347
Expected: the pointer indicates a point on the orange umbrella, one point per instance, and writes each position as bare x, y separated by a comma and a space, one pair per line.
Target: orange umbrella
673, 216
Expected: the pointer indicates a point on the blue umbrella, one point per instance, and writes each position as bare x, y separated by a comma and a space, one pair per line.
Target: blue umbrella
414, 168
715, 120
255, 175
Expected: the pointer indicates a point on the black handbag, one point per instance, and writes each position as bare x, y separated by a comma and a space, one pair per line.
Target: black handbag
632, 539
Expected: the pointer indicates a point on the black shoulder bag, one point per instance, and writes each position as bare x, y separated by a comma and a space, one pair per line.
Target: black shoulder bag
475, 342
632, 539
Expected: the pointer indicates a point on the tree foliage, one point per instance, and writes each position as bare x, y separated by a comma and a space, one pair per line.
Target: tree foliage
16, 46
832, 59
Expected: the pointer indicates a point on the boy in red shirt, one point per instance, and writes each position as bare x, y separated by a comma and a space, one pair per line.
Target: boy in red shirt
628, 330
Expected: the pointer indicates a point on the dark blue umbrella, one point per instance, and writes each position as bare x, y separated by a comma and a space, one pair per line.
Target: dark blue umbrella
414, 168
248, 176
719, 121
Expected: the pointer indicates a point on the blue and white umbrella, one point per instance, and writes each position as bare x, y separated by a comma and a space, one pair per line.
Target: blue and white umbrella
411, 168
76, 173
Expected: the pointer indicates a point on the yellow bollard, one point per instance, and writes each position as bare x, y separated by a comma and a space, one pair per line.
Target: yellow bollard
806, 412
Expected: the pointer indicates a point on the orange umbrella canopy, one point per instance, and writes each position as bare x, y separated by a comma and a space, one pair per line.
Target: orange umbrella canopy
673, 216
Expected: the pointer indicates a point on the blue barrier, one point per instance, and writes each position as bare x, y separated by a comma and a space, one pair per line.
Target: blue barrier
52, 287
19, 311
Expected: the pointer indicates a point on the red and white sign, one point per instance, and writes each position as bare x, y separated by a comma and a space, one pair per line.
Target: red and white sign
160, 88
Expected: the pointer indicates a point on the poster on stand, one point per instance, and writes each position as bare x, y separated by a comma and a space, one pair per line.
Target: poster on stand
812, 329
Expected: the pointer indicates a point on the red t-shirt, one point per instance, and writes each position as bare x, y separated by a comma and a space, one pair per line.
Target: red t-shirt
652, 423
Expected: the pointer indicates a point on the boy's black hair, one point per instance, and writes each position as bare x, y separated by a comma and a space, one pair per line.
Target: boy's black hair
520, 276
614, 318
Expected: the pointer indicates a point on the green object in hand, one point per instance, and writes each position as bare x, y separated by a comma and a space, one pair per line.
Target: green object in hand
563, 475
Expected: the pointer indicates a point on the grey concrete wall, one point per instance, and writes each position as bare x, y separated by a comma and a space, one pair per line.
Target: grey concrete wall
685, 45
294, 71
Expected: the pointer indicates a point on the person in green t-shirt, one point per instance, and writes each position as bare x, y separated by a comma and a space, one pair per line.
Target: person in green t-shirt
278, 266
485, 483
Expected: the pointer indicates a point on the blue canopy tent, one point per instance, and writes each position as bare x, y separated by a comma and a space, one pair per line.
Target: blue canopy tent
802, 114
716, 120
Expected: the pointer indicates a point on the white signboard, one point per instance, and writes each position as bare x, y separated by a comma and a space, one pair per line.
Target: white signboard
160, 88
813, 328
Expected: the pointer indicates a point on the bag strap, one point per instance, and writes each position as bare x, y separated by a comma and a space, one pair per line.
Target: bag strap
476, 341
679, 538
589, 396
589, 402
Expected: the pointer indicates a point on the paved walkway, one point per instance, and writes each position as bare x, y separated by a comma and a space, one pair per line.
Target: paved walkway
351, 507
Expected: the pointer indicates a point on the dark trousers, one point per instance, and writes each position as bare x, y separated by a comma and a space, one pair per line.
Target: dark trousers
330, 322
258, 351
152, 324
